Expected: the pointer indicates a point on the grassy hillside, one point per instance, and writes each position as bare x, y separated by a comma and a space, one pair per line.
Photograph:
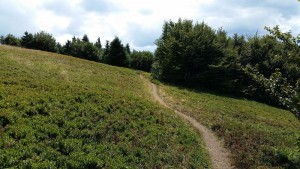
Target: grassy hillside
258, 135
61, 112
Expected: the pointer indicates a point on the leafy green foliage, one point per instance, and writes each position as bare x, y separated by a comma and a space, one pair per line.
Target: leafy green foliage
272, 64
115, 53
90, 51
185, 51
141, 60
264, 68
62, 112
82, 49
1, 39
105, 51
10, 40
44, 41
27, 40
98, 43
85, 38
127, 49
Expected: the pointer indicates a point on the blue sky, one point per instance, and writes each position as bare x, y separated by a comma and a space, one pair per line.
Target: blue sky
139, 22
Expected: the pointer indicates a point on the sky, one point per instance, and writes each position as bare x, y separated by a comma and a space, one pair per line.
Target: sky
139, 22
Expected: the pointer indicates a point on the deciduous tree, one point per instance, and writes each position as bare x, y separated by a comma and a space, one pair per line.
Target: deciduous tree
44, 41
141, 60
11, 40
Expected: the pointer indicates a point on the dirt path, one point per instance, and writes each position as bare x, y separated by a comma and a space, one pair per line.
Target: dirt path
219, 155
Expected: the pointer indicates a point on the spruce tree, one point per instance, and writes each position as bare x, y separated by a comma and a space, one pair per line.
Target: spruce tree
127, 48
85, 38
106, 52
117, 55
26, 40
98, 44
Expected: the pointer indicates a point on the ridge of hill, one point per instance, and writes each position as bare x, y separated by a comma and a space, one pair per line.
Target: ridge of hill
58, 111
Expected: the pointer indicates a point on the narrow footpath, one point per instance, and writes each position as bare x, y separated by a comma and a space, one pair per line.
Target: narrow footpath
220, 157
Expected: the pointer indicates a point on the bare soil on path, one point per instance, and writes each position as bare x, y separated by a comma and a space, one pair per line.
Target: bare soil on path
220, 157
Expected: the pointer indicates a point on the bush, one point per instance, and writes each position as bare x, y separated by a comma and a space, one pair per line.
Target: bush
82, 49
44, 41
11, 40
141, 60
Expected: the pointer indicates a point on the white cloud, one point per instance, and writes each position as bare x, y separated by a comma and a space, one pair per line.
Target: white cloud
46, 20
139, 22
63, 37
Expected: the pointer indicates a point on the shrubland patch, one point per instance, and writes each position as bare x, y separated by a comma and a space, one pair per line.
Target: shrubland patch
258, 135
98, 117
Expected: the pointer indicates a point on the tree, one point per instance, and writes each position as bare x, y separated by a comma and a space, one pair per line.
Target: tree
82, 49
90, 52
98, 43
239, 43
85, 38
141, 60
76, 48
60, 48
44, 41
67, 48
27, 40
1, 39
106, 52
271, 69
116, 55
127, 49
11, 40
185, 51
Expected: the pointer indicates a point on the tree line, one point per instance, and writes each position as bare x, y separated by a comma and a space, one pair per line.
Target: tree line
260, 67
113, 53
265, 68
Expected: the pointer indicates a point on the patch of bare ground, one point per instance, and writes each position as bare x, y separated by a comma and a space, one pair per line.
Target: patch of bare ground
220, 157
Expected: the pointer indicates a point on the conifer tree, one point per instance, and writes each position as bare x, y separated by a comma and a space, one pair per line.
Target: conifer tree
85, 38
26, 40
116, 55
98, 43
127, 49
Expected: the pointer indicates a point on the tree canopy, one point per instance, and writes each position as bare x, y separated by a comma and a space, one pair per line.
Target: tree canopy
141, 60
185, 51
115, 53
27, 40
10, 40
44, 41
264, 68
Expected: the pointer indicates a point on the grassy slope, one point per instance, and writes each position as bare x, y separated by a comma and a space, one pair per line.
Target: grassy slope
58, 111
258, 135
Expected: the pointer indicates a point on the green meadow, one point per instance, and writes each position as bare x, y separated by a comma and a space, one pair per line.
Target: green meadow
258, 135
58, 111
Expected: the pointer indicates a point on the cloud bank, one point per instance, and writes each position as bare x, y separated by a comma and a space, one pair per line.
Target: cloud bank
139, 22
